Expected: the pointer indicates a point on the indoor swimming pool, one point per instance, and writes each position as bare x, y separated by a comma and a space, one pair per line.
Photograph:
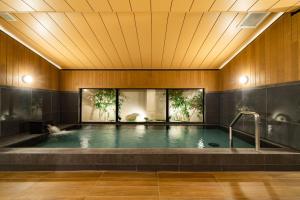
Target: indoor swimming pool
142, 136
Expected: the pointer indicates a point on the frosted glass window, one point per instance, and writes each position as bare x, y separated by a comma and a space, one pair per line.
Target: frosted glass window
142, 105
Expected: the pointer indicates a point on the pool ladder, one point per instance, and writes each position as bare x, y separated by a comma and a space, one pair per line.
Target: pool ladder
257, 127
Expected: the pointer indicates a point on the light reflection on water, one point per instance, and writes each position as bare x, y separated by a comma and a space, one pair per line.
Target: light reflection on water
141, 136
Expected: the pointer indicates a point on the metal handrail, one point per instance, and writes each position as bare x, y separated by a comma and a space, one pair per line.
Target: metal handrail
257, 128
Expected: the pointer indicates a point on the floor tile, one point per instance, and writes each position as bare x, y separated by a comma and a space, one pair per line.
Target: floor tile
142, 175
184, 175
87, 174
123, 198
124, 191
195, 191
126, 181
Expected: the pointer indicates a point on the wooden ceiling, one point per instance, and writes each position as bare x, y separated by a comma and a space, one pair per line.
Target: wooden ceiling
136, 34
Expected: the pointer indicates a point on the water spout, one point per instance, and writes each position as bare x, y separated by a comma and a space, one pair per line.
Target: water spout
53, 129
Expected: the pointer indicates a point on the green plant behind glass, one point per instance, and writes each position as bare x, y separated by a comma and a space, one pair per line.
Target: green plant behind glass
179, 103
196, 104
104, 99
184, 106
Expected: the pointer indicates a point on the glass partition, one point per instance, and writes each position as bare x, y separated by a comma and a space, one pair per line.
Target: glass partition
142, 105
98, 105
186, 105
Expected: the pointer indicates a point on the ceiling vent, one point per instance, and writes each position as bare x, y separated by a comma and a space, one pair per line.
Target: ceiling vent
253, 19
8, 17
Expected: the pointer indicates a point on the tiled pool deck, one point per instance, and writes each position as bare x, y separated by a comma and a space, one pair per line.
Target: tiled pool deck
209, 159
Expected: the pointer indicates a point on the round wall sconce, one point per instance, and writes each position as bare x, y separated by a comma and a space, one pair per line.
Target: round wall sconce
27, 79
244, 79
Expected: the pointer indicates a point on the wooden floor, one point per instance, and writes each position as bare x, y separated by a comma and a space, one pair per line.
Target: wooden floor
94, 185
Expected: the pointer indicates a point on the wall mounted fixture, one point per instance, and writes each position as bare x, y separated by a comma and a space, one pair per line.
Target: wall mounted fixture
244, 79
27, 79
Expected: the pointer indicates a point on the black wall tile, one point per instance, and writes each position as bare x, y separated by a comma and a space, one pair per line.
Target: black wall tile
284, 103
19, 106
21, 103
55, 102
69, 107
254, 100
230, 103
0, 113
278, 106
212, 108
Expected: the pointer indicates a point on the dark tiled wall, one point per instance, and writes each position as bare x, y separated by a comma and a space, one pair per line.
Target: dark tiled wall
19, 106
69, 104
279, 107
212, 108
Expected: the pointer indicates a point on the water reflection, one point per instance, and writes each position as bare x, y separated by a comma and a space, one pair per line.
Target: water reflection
201, 144
84, 140
140, 136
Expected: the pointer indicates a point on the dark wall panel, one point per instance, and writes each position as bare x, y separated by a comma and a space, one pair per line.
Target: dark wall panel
20, 106
278, 106
212, 108
284, 114
69, 104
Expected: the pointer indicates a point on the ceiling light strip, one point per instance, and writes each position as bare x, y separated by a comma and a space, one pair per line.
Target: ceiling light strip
252, 38
29, 47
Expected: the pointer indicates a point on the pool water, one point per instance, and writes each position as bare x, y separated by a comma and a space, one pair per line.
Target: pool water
141, 136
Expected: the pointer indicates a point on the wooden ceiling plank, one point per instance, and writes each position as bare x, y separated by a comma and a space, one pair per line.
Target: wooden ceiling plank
283, 5
18, 5
5, 8
47, 53
161, 6
141, 5
159, 24
113, 27
231, 47
64, 23
294, 7
89, 37
100, 5
242, 5
175, 24
223, 42
127, 22
79, 5
120, 6
43, 46
31, 22
52, 27
96, 24
143, 24
59, 5
181, 5
201, 6
216, 32
206, 24
39, 5
191, 22
222, 5
263, 5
